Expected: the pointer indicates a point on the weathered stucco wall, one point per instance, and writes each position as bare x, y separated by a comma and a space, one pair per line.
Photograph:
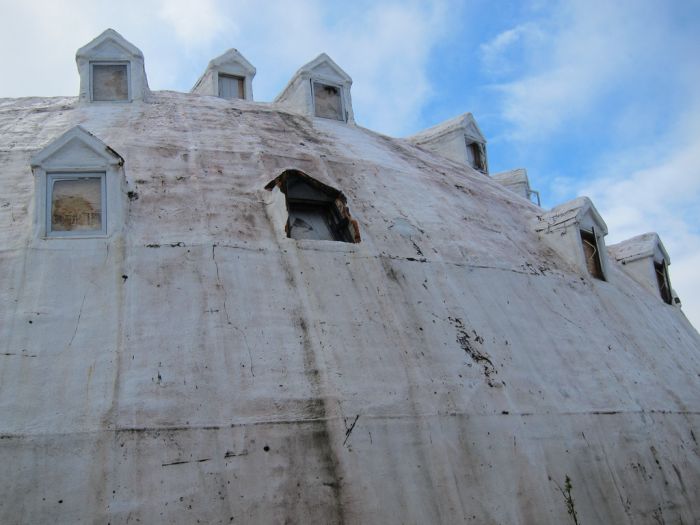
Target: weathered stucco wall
201, 366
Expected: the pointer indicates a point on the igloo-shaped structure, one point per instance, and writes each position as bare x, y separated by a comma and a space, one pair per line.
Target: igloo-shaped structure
228, 76
111, 70
319, 89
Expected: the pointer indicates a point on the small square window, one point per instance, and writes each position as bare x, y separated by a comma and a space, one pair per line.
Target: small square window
592, 254
327, 101
110, 81
75, 204
231, 86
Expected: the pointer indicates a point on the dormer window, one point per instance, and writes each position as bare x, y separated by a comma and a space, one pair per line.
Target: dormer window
79, 187
111, 70
458, 139
327, 101
314, 211
319, 89
576, 231
109, 81
228, 76
591, 254
231, 86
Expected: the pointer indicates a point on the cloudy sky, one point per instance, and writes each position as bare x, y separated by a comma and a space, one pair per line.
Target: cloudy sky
593, 97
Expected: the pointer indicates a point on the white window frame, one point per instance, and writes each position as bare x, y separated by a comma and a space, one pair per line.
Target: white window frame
339, 87
52, 177
126, 63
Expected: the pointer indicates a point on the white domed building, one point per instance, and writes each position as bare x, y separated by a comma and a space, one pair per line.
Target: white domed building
217, 310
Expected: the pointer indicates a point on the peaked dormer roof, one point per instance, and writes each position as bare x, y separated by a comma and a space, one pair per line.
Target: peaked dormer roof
109, 44
639, 247
464, 122
323, 65
81, 148
232, 62
298, 95
232, 57
579, 211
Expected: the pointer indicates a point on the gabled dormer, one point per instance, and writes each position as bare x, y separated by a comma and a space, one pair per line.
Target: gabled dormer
645, 259
458, 139
576, 231
227, 76
518, 182
319, 89
79, 187
111, 70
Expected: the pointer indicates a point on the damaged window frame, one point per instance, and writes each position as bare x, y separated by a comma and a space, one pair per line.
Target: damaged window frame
327, 203
56, 176
125, 63
328, 84
589, 237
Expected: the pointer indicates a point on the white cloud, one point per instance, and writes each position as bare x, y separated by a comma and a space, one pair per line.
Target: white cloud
196, 23
660, 196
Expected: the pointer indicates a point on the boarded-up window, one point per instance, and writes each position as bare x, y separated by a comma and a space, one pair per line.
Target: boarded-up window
327, 101
76, 203
475, 157
231, 86
662, 279
592, 254
110, 82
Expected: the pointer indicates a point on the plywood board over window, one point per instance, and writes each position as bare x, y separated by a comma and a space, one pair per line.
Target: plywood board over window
110, 81
231, 86
327, 101
75, 204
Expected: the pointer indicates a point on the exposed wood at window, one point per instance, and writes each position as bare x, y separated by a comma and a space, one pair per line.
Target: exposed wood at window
231, 86
110, 82
592, 254
663, 281
315, 211
327, 101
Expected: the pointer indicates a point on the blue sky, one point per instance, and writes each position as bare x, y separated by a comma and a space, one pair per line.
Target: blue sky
593, 97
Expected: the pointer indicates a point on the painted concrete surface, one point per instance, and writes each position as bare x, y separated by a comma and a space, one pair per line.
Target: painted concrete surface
197, 365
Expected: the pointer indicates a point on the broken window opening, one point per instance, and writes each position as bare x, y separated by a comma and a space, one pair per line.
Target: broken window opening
475, 156
109, 81
327, 101
662, 279
315, 211
592, 254
75, 204
231, 86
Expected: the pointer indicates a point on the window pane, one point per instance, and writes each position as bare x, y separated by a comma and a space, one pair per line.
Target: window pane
109, 82
230, 86
76, 205
327, 101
